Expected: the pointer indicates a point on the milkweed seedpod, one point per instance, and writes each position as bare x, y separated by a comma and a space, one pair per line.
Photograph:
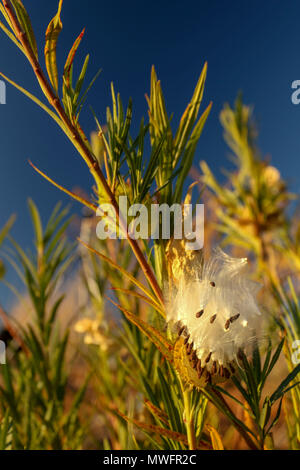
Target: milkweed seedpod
214, 308
181, 261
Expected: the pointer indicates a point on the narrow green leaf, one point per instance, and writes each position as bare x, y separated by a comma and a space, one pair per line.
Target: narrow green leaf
5, 230
25, 23
37, 224
38, 102
189, 117
152, 333
52, 33
275, 357
10, 34
121, 270
189, 152
70, 58
171, 410
25, 260
155, 305
80, 80
282, 387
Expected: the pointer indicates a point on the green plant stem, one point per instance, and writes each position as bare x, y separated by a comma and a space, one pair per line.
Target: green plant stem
189, 420
79, 142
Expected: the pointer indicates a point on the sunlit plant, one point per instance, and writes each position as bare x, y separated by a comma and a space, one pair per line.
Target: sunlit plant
188, 338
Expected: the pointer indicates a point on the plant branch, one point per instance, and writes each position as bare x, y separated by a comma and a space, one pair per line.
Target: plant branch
192, 443
80, 142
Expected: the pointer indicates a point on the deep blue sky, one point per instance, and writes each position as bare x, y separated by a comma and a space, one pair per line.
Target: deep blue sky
250, 45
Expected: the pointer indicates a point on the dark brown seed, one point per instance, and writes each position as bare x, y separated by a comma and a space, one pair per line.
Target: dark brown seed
221, 371
232, 368
199, 366
214, 368
226, 373
235, 317
189, 348
208, 357
213, 318
200, 313
202, 372
181, 330
213, 284
194, 356
208, 378
186, 339
227, 324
